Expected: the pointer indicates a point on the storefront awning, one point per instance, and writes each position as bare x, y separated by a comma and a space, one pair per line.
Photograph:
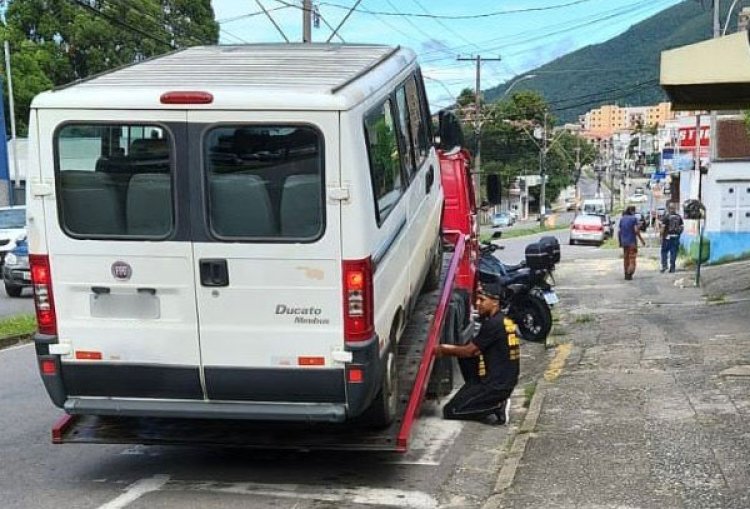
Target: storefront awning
709, 75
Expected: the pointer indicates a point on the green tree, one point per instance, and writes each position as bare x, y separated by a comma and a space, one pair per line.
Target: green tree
54, 42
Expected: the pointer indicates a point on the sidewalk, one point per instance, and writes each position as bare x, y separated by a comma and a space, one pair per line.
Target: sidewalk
652, 407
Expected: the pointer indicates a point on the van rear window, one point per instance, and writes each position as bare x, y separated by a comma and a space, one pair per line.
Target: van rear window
265, 182
114, 180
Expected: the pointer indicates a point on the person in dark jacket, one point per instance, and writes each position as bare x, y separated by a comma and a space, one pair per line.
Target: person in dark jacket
489, 363
671, 227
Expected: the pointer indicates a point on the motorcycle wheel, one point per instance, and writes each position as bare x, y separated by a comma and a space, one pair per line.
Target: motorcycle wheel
533, 318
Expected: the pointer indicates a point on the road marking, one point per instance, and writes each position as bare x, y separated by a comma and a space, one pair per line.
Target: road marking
431, 440
15, 347
136, 491
558, 363
343, 496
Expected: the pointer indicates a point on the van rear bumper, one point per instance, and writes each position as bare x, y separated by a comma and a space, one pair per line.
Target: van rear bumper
287, 412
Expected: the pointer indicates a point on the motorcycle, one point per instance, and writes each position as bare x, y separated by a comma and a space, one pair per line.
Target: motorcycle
530, 294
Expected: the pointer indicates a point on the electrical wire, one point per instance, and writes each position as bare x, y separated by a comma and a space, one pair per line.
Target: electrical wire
114, 21
461, 16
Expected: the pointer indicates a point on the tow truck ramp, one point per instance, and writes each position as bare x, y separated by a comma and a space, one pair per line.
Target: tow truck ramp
415, 361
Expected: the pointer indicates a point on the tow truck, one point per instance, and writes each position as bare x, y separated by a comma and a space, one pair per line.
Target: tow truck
443, 315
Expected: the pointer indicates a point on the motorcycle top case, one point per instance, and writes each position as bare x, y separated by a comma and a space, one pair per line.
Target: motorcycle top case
537, 257
552, 246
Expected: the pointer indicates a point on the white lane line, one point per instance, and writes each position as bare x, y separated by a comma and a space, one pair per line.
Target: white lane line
430, 441
344, 496
16, 347
136, 491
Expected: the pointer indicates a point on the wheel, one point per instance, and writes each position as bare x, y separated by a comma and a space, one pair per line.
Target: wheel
441, 379
533, 318
383, 409
12, 290
432, 280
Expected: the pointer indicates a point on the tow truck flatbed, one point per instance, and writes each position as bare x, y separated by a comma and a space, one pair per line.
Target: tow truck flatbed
415, 359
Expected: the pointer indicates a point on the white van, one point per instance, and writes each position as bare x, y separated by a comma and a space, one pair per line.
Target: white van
233, 232
595, 206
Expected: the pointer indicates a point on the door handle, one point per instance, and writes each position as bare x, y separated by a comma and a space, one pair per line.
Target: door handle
429, 179
214, 272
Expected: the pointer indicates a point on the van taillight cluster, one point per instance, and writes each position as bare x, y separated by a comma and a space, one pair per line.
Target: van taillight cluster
358, 300
43, 301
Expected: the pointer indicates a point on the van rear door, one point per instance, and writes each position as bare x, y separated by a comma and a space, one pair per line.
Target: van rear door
119, 252
268, 268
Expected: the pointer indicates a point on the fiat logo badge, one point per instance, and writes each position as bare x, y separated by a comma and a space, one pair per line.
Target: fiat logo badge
121, 271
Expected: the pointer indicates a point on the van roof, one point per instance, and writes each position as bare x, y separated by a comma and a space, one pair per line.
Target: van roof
256, 76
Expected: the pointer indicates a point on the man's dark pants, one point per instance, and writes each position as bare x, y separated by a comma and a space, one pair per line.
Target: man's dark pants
475, 399
669, 246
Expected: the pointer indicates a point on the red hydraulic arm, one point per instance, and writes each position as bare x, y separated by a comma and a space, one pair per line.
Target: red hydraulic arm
428, 358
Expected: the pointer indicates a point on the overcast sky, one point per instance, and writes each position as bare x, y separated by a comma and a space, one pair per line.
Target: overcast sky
524, 33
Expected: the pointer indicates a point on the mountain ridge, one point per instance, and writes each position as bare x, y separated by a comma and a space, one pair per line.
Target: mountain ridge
590, 76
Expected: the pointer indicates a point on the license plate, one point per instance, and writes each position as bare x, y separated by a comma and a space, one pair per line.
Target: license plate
551, 298
26, 275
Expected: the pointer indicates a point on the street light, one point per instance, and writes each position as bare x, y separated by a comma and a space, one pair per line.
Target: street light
516, 82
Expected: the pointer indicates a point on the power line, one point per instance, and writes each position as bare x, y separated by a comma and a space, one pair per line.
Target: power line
121, 24
250, 14
460, 16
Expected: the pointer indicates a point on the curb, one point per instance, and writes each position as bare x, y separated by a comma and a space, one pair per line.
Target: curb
14, 340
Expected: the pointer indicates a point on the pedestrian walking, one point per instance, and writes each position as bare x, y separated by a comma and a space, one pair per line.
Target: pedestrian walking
489, 363
629, 234
670, 227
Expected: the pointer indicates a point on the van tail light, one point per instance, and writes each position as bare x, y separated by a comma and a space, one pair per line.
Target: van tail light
41, 279
358, 300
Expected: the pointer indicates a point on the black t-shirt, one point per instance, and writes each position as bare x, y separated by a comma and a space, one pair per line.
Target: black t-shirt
501, 353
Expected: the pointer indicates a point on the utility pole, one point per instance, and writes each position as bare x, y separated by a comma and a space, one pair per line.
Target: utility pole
542, 174
612, 178
578, 171
477, 120
307, 21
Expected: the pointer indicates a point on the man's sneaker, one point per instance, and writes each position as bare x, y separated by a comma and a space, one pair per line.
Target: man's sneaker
503, 412
663, 270
671, 271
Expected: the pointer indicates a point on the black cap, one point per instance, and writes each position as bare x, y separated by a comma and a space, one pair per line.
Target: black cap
492, 290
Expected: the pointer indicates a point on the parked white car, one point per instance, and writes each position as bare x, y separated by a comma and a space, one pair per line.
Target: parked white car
638, 198
12, 228
587, 228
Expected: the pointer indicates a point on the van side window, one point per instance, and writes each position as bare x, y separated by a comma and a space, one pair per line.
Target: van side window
405, 133
265, 182
383, 151
114, 180
417, 121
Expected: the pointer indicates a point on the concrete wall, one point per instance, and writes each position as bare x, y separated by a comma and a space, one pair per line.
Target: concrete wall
727, 213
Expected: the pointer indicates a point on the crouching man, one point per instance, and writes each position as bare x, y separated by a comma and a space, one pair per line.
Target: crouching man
489, 363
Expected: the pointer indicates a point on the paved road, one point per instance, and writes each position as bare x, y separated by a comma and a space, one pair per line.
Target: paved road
450, 463
10, 306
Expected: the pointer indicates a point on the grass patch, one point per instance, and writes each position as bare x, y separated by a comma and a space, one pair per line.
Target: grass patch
528, 393
17, 325
584, 319
716, 298
522, 232
610, 243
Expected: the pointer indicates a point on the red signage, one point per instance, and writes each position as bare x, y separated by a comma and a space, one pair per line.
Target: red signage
687, 137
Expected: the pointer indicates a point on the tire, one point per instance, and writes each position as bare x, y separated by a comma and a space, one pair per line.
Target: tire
384, 407
12, 290
572, 242
533, 318
441, 378
432, 280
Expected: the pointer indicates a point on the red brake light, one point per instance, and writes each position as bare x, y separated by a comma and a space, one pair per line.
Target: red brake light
358, 300
187, 97
49, 367
43, 301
